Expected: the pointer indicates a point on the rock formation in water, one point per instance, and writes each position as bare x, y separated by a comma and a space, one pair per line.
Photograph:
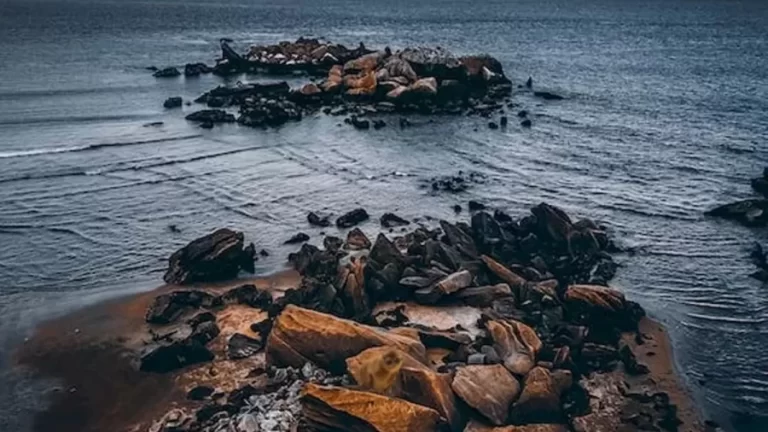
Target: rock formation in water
216, 256
544, 357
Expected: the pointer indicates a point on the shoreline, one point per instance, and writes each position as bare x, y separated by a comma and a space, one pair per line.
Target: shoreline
104, 336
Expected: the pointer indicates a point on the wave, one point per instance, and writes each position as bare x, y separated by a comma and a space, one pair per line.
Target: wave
88, 147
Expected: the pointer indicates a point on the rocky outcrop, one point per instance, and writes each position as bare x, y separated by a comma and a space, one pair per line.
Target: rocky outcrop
333, 408
750, 212
488, 389
216, 256
300, 335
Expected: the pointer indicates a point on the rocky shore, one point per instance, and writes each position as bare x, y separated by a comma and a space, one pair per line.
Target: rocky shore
356, 83
496, 324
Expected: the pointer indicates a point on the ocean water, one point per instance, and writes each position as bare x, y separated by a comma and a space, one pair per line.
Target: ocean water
665, 116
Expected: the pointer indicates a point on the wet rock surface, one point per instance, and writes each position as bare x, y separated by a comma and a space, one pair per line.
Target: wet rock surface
549, 332
216, 256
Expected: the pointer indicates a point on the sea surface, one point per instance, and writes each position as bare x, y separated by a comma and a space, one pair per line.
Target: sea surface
665, 116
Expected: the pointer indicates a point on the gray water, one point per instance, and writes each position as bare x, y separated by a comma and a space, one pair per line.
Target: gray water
666, 115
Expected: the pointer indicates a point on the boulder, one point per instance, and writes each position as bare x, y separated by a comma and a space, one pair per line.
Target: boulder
297, 238
596, 304
167, 308
361, 85
241, 346
397, 92
366, 63
195, 69
173, 102
475, 64
397, 67
483, 296
515, 281
424, 87
385, 252
351, 283
517, 344
489, 389
391, 220
211, 116
475, 426
301, 335
334, 408
317, 220
357, 240
169, 72
446, 286
216, 256
352, 218
540, 400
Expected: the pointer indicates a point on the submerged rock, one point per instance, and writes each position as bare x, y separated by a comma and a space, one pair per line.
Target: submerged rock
352, 218
391, 220
751, 212
173, 102
317, 220
169, 72
211, 116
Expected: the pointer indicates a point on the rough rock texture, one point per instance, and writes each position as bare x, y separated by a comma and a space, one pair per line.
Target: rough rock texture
216, 256
483, 296
167, 308
300, 335
540, 400
332, 408
516, 343
352, 218
489, 389
479, 427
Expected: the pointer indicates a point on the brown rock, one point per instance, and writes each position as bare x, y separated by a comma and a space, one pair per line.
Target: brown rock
489, 389
483, 296
351, 281
516, 343
553, 222
368, 62
595, 298
216, 256
300, 335
356, 240
361, 85
514, 281
540, 399
475, 426
333, 408
424, 86
310, 89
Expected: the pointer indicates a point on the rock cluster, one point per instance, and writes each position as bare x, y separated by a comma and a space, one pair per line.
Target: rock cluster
358, 81
549, 331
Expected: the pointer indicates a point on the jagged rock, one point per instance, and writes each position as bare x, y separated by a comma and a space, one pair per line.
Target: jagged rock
385, 252
488, 389
297, 238
195, 69
211, 116
357, 240
352, 218
172, 102
540, 400
445, 339
448, 285
750, 212
368, 62
334, 408
301, 335
185, 347
241, 346
317, 220
391, 220
547, 95
167, 308
599, 305
332, 244
483, 296
359, 123
351, 281
169, 72
216, 256
475, 426
515, 281
516, 343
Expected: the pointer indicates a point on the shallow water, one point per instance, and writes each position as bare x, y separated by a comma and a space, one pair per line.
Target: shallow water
665, 117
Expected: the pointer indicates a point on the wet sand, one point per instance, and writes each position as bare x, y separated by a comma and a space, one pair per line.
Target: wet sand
92, 354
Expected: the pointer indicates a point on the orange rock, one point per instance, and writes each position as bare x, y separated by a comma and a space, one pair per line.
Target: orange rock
540, 400
300, 335
516, 343
361, 85
596, 298
490, 389
334, 408
475, 426
514, 281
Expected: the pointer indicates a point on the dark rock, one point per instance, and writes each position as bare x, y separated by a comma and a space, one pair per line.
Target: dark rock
493, 125
216, 256
404, 123
385, 252
378, 124
488, 389
357, 240
249, 295
332, 244
352, 218
264, 253
390, 220
504, 121
206, 125
476, 359
195, 69
184, 347
360, 123
483, 296
317, 220
547, 95
169, 72
241, 346
457, 208
201, 318
297, 238
173, 102
200, 393
476, 206
522, 113
526, 123
631, 364
211, 116
204, 332
751, 212
529, 82
760, 184
167, 308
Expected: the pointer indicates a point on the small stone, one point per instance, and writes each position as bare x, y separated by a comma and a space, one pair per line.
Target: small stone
457, 208
522, 113
526, 123
492, 125
297, 238
476, 206
476, 359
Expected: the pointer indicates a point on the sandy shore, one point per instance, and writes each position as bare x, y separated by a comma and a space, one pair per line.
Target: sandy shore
92, 353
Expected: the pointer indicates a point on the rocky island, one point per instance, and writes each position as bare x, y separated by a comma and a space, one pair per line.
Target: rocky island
357, 82
493, 324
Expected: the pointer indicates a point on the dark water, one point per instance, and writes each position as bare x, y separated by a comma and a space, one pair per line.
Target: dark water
666, 115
